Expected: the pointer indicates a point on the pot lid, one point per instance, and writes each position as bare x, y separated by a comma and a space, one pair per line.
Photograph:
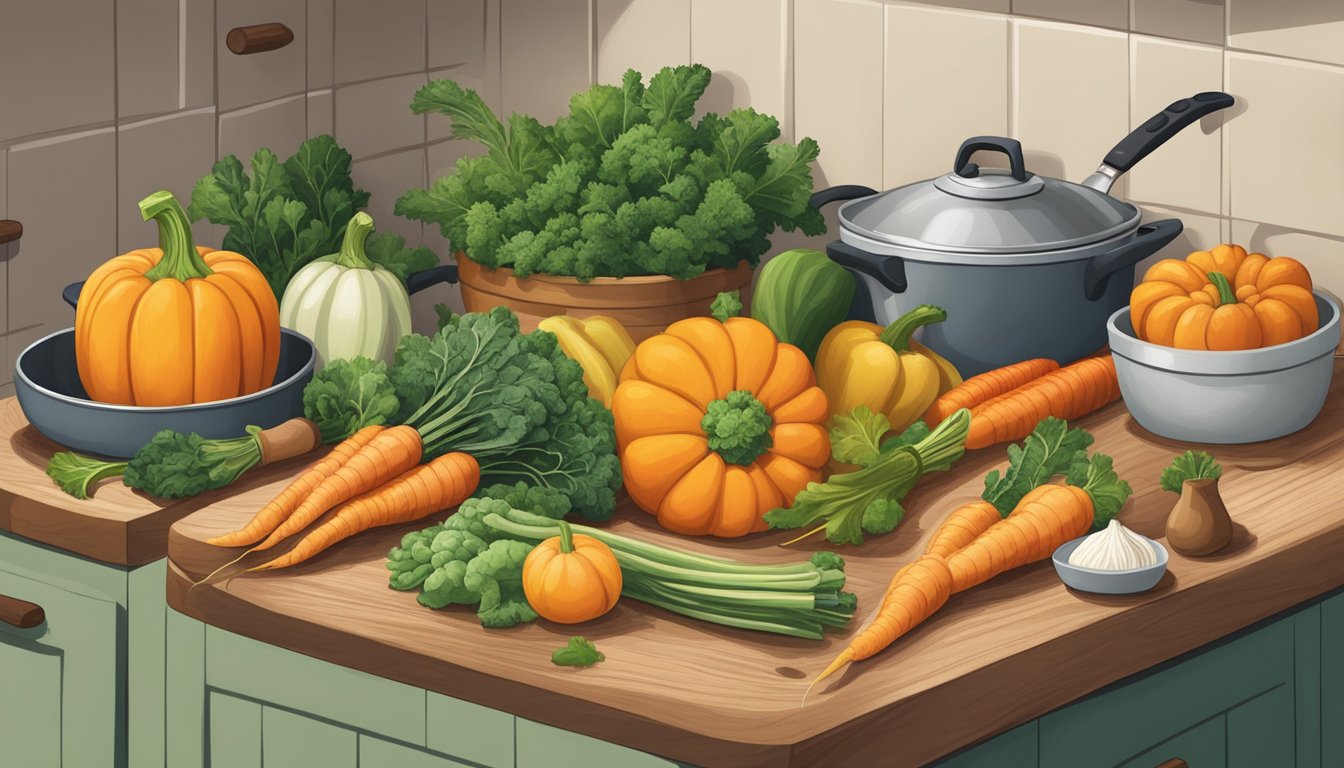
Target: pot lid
990, 210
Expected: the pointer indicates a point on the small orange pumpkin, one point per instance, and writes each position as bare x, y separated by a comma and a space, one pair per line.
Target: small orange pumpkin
1224, 299
175, 324
571, 578
717, 424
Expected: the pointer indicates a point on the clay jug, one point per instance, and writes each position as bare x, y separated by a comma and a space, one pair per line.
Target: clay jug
1199, 523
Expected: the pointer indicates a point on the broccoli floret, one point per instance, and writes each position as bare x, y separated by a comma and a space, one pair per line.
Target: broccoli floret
496, 575
828, 561
882, 515
539, 499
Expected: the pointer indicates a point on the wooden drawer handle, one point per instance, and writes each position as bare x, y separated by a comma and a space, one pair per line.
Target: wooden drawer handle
10, 230
258, 38
1175, 762
21, 613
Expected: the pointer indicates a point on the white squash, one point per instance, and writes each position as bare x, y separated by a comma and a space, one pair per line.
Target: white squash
348, 306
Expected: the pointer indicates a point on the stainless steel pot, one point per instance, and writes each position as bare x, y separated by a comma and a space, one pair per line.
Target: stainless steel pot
1025, 265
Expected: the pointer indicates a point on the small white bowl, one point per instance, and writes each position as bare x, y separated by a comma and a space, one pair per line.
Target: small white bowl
1126, 582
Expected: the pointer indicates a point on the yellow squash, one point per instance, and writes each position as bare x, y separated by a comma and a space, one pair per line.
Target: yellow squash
599, 344
861, 363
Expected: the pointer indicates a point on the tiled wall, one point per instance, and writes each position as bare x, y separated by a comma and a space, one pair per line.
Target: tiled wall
102, 102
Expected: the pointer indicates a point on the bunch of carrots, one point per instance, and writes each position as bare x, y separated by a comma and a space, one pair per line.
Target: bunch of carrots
1012, 526
1007, 403
373, 478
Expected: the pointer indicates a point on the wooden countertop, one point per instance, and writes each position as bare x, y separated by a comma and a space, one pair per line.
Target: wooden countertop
994, 657
116, 524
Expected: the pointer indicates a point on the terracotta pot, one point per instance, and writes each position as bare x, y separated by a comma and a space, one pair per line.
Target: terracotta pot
644, 304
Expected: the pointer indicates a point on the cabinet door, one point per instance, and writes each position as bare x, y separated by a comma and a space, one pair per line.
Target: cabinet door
1204, 746
1332, 681
1016, 748
60, 705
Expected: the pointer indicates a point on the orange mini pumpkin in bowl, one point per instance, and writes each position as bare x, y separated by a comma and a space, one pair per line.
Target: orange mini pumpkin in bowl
176, 324
717, 423
1224, 299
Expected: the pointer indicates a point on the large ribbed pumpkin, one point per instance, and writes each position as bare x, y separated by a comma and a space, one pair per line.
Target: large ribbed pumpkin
717, 424
175, 324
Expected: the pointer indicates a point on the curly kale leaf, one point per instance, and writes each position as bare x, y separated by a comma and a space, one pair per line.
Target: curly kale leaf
496, 575
173, 465
537, 499
390, 252
348, 395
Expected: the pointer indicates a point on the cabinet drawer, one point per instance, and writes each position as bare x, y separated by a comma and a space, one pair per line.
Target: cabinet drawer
61, 703
1121, 723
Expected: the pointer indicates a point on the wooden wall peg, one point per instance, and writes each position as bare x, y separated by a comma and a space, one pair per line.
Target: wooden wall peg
10, 231
258, 38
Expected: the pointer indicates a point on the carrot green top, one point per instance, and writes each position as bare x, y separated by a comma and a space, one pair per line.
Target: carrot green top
180, 259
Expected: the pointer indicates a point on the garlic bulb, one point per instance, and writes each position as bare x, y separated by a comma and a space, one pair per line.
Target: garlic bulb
1114, 549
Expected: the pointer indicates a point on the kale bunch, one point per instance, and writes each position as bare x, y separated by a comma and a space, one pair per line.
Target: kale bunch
625, 184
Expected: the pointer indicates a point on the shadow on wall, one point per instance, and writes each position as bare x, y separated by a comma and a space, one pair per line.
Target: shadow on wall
1265, 15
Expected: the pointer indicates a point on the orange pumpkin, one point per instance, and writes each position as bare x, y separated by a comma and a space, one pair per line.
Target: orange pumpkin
571, 578
717, 424
175, 324
1224, 299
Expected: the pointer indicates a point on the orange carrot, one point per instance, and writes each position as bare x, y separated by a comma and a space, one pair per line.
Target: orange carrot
986, 386
442, 483
1066, 393
962, 527
390, 453
915, 593
280, 508
1039, 524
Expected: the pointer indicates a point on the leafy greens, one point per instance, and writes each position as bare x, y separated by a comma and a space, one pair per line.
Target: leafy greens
1051, 449
578, 652
625, 184
1191, 465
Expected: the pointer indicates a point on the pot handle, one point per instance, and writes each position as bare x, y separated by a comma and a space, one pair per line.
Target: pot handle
415, 282
419, 281
1153, 134
889, 271
842, 192
1150, 239
963, 166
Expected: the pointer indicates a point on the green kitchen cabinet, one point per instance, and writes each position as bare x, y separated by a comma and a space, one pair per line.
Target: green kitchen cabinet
85, 687
234, 701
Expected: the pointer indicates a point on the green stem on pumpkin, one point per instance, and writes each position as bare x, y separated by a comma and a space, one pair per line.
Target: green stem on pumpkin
566, 538
897, 335
180, 259
1225, 293
352, 247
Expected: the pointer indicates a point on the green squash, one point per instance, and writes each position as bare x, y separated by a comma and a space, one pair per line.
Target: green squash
800, 295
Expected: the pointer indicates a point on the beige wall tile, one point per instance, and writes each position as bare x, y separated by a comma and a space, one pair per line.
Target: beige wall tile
644, 35
1186, 172
544, 56
1200, 21
379, 39
1302, 29
376, 116
321, 115
161, 153
927, 118
846, 122
147, 57
994, 6
198, 65
746, 43
387, 178
55, 74
1200, 234
7, 371
280, 126
1320, 253
1070, 86
64, 242
1101, 13
441, 160
456, 32
321, 36
1285, 148
258, 77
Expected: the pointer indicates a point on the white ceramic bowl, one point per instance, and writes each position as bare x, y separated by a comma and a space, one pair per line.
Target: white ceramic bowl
1243, 396
1109, 582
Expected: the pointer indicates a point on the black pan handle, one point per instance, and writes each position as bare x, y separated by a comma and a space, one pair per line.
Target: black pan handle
842, 192
963, 166
889, 271
1162, 126
415, 282
419, 281
1150, 239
